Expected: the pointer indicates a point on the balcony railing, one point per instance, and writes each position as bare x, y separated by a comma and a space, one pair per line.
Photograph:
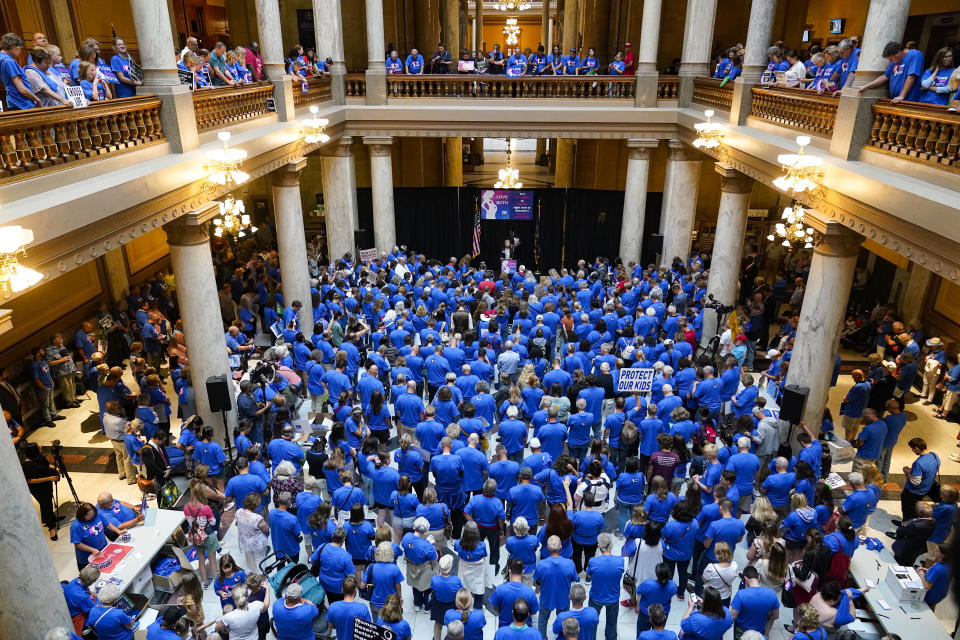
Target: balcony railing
497, 86
708, 92
356, 85
921, 132
318, 90
668, 87
795, 108
35, 141
215, 108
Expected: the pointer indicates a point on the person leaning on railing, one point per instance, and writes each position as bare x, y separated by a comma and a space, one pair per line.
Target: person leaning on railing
902, 74
95, 88
935, 83
15, 80
44, 84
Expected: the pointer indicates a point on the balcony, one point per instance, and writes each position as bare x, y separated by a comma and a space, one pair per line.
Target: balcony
712, 93
928, 134
500, 87
216, 108
317, 90
795, 108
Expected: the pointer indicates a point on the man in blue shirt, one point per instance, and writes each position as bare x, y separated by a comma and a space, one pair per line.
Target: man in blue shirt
518, 629
902, 74
283, 448
245, 483
586, 617
502, 599
513, 435
778, 486
414, 64
857, 505
525, 498
605, 572
285, 531
895, 420
870, 440
754, 608
745, 465
336, 563
430, 431
475, 465
394, 64
920, 477
122, 515
553, 576
571, 63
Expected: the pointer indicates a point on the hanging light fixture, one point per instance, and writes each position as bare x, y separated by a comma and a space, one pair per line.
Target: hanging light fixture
14, 276
512, 5
709, 134
512, 31
313, 128
793, 230
233, 219
802, 171
509, 177
224, 164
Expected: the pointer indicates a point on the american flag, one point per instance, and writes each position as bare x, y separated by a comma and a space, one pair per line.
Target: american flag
476, 230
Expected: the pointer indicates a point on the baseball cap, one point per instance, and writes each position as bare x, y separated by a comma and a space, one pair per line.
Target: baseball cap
172, 614
534, 443
526, 473
772, 353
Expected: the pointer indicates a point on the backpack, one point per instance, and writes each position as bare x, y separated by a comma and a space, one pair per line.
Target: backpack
629, 434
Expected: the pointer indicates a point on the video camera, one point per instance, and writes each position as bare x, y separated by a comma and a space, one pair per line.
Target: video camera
263, 373
716, 306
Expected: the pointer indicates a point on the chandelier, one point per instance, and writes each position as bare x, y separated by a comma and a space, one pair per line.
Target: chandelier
511, 5
709, 134
14, 276
793, 230
512, 31
233, 219
509, 177
313, 128
802, 172
224, 164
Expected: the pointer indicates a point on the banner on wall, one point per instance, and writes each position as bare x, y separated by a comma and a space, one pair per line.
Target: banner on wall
506, 204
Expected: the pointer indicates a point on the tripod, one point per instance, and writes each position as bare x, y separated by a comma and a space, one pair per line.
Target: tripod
57, 449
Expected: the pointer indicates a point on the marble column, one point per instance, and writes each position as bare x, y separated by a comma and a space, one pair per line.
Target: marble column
451, 30
886, 21
151, 20
116, 267
563, 175
570, 27
680, 186
824, 305
376, 74
727, 244
453, 162
541, 151
30, 603
192, 261
635, 198
762, 13
427, 23
328, 27
913, 298
63, 24
545, 25
697, 41
271, 48
596, 28
291, 238
478, 27
381, 182
647, 75
339, 197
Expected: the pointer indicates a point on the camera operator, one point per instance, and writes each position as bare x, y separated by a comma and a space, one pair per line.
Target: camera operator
40, 476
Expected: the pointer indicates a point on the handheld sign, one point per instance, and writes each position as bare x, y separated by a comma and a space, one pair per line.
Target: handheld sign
185, 76
75, 96
635, 381
271, 105
365, 630
367, 255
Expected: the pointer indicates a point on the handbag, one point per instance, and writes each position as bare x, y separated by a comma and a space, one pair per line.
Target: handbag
629, 579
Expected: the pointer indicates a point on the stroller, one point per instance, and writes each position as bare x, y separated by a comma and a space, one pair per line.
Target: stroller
281, 572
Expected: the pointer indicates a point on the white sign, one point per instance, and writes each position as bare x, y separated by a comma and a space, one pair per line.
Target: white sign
635, 381
75, 95
366, 255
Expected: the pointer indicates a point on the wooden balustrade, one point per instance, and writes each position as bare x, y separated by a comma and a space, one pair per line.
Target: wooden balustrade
216, 108
35, 141
921, 132
356, 85
318, 90
498, 86
798, 109
668, 87
708, 92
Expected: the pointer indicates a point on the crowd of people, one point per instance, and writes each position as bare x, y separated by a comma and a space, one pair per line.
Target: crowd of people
480, 451
829, 69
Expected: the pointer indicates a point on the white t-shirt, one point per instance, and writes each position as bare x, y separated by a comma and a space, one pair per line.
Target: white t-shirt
726, 342
242, 624
796, 73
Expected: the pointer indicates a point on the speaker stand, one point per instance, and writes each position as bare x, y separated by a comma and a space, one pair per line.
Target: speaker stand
226, 435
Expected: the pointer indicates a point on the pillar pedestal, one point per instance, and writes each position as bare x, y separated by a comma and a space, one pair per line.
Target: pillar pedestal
291, 239
381, 182
563, 176
635, 198
727, 244
376, 75
824, 305
339, 197
680, 187
190, 256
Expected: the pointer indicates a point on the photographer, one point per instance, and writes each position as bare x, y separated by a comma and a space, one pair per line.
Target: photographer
64, 370
40, 476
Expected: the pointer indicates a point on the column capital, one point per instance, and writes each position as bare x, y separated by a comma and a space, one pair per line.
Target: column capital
187, 231
339, 147
379, 147
835, 240
639, 148
681, 151
733, 180
289, 174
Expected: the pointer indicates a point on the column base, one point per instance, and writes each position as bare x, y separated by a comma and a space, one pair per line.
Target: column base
646, 90
176, 116
742, 102
283, 89
376, 85
851, 129
338, 82
685, 91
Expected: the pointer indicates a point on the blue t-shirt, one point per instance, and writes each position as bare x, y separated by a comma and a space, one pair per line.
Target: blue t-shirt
384, 577
122, 65
728, 530
630, 487
511, 632
487, 512
897, 73
700, 626
895, 423
78, 598
778, 486
587, 525
588, 619
110, 623
506, 594
745, 465
555, 575
925, 467
605, 573
940, 81
341, 614
9, 69
117, 514
651, 592
753, 606
873, 436
89, 533
239, 486
856, 506
284, 532
939, 577
659, 510
652, 634
473, 629
337, 564
524, 548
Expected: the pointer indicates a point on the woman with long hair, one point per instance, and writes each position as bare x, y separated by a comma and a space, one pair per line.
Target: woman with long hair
472, 618
935, 83
660, 501
472, 551
253, 531
391, 615
202, 532
558, 524
760, 547
774, 569
678, 538
405, 505
192, 599
709, 621
643, 555
795, 525
378, 417
722, 573
228, 577
823, 505
762, 516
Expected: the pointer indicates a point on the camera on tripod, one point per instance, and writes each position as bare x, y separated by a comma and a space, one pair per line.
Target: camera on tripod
263, 373
716, 306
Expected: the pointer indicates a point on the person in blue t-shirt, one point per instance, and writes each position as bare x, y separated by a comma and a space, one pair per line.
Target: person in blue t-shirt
655, 592
706, 617
605, 573
589, 65
936, 576
870, 439
121, 64
586, 617
920, 477
518, 629
902, 74
934, 85
414, 63
13, 76
658, 622
505, 595
553, 576
571, 63
754, 608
